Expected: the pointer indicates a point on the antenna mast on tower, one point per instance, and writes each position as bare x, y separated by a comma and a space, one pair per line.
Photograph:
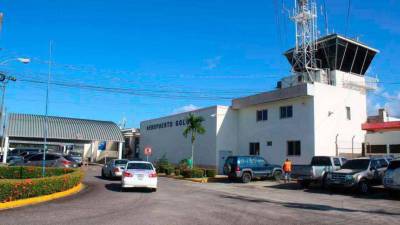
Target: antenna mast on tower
305, 19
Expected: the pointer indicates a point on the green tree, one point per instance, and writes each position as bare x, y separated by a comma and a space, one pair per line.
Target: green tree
193, 128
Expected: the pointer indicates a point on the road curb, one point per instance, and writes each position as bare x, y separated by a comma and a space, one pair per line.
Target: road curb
40, 199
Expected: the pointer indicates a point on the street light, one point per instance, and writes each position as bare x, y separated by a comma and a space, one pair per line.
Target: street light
4, 79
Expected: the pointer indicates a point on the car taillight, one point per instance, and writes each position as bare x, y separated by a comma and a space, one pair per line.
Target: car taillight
237, 168
116, 170
153, 174
65, 162
128, 174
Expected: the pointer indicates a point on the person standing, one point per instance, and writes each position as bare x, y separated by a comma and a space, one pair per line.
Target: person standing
287, 169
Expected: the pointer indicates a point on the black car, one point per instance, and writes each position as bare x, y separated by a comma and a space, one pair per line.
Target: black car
246, 168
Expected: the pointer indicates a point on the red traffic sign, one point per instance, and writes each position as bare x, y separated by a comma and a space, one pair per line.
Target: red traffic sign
147, 151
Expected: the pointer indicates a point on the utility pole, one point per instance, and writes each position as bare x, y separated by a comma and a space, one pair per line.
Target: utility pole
46, 125
4, 79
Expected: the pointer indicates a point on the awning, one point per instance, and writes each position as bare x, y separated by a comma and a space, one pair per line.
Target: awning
32, 126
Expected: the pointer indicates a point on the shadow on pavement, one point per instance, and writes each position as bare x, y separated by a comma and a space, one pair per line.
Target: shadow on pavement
307, 206
116, 187
376, 192
107, 178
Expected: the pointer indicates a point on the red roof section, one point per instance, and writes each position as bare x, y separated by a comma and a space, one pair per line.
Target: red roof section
381, 126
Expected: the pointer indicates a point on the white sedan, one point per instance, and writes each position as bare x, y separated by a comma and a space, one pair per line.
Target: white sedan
139, 174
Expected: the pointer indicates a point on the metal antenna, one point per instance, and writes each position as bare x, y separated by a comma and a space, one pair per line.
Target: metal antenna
305, 19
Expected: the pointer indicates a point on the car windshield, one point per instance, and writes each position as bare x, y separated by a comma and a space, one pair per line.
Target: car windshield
140, 166
356, 164
121, 162
394, 165
75, 154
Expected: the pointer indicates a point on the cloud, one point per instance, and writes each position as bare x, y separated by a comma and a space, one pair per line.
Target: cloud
185, 108
384, 99
212, 63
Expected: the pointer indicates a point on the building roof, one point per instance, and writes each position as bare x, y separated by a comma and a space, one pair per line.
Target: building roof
32, 126
393, 125
273, 96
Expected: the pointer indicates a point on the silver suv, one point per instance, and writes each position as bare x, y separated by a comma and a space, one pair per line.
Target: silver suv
391, 180
360, 173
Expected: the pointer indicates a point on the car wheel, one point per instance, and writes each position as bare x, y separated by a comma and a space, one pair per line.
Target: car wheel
154, 189
304, 184
122, 189
103, 175
363, 187
277, 175
246, 177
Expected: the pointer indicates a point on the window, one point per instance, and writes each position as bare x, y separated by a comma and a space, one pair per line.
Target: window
394, 148
36, 158
377, 149
254, 149
286, 112
262, 115
383, 163
139, 166
293, 148
336, 161
348, 113
269, 143
321, 161
261, 162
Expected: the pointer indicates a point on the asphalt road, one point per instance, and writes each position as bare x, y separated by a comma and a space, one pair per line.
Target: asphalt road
183, 202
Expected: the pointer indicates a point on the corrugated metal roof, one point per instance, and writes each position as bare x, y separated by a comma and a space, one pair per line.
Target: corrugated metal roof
32, 126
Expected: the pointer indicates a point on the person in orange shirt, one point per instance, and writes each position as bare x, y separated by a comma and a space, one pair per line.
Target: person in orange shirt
287, 169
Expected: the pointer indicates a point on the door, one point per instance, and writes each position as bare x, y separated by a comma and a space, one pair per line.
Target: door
223, 154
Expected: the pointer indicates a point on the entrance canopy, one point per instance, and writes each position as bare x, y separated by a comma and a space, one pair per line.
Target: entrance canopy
62, 128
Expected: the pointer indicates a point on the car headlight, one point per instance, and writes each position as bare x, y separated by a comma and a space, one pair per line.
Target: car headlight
349, 177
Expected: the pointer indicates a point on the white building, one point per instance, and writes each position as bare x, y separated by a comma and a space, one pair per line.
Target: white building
307, 115
383, 134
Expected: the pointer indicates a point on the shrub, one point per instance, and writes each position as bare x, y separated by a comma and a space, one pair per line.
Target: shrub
183, 164
169, 169
177, 172
163, 166
194, 173
56, 180
211, 172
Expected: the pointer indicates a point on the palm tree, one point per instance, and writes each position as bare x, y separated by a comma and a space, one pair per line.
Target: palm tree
194, 127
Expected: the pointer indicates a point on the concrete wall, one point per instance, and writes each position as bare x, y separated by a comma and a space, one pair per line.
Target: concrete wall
279, 131
390, 137
170, 141
331, 119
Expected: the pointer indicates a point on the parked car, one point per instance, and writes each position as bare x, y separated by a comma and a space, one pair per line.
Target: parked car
391, 180
76, 157
361, 174
52, 160
11, 160
74, 163
114, 168
24, 151
317, 171
139, 174
246, 168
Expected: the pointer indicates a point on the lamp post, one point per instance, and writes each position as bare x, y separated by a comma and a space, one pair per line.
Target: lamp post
4, 79
46, 123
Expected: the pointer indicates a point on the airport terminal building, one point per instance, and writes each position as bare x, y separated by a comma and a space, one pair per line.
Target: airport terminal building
306, 115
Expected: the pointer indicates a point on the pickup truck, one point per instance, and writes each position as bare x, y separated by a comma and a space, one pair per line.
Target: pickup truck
318, 169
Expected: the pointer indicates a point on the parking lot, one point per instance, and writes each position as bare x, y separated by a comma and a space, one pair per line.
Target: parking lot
184, 202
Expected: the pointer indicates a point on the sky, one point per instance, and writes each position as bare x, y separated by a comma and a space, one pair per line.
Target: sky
145, 59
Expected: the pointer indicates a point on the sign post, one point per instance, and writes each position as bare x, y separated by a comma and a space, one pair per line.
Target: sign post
147, 152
